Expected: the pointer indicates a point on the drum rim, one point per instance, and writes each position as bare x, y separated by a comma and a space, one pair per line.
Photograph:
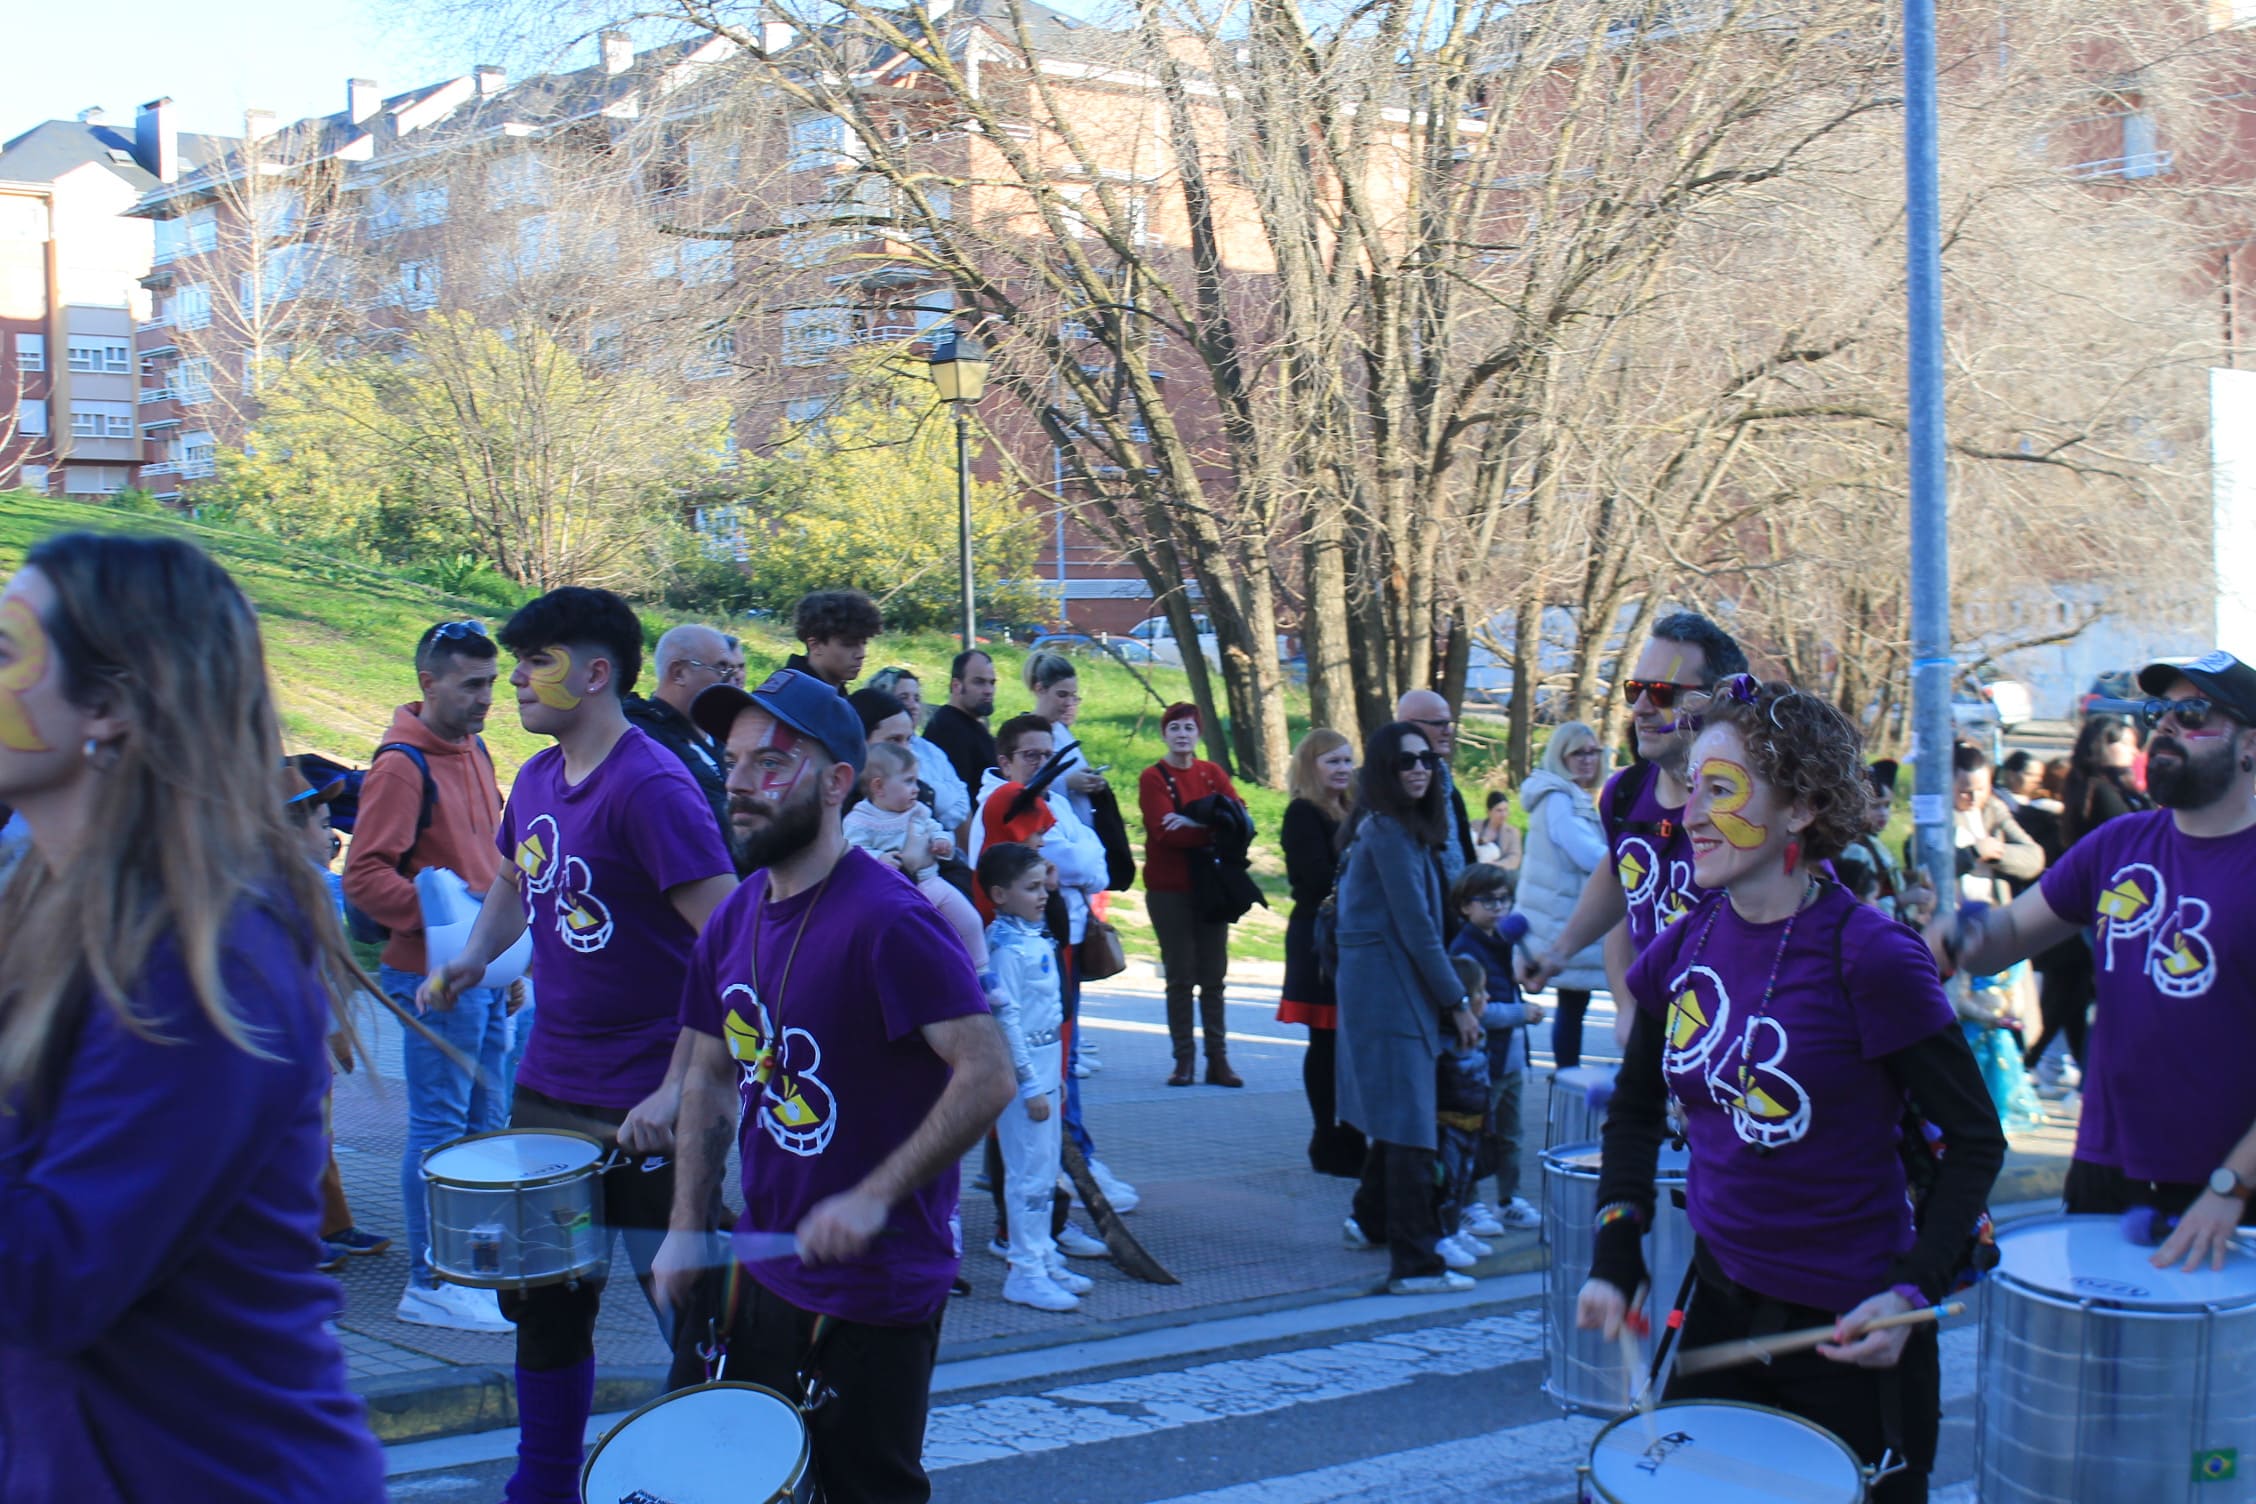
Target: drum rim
599, 1268
798, 1469
1554, 1159
1861, 1468
2074, 1299
560, 1177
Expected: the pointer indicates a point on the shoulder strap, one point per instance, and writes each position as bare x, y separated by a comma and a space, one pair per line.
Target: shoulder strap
422, 766
1167, 776
1627, 790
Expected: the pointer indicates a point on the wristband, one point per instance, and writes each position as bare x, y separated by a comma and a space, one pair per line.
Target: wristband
1913, 1294
1619, 1211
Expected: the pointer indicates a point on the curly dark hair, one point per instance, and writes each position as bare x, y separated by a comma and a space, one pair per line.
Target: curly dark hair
1806, 750
836, 616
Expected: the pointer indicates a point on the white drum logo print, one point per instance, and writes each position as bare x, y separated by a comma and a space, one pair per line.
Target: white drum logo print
2175, 950
777, 1082
582, 919
1768, 1107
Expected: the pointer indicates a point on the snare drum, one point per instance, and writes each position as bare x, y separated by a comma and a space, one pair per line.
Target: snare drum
1582, 1371
516, 1209
1570, 1119
2108, 1381
1713, 1451
722, 1443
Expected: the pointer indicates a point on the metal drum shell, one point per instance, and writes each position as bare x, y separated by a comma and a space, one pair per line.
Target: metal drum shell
558, 1216
1568, 1117
2106, 1401
1847, 1480
797, 1487
1582, 1370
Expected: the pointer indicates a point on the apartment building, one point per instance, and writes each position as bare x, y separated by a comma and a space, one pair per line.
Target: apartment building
71, 259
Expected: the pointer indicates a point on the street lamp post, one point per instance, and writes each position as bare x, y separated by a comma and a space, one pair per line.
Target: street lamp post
959, 375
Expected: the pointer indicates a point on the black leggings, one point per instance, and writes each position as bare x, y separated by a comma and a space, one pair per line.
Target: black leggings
1334, 1148
2065, 1000
1566, 1028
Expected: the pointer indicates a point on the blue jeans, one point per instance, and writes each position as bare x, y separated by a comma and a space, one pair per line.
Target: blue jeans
1070, 975
444, 1101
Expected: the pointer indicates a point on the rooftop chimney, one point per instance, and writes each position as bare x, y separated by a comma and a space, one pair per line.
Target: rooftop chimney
618, 50
93, 114
362, 99
156, 141
491, 80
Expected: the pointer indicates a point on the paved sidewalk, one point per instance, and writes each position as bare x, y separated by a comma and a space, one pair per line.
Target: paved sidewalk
1229, 1206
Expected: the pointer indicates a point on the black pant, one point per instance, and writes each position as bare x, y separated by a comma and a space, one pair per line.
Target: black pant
1566, 1027
868, 1435
1334, 1148
2104, 1191
2064, 999
1874, 1410
556, 1323
1400, 1199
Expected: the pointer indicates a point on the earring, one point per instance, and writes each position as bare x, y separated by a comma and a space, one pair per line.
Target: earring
92, 751
1793, 854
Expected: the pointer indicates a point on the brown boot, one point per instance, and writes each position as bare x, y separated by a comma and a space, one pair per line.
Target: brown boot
1186, 1070
1218, 1072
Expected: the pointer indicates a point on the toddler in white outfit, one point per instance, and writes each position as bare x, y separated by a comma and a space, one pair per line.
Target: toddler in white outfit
882, 824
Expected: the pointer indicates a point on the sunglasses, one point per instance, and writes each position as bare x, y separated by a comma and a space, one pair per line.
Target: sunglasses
448, 631
1432, 762
2192, 715
728, 673
1660, 691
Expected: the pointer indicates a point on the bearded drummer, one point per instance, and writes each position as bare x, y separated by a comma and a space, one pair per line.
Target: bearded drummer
2169, 1119
1792, 1024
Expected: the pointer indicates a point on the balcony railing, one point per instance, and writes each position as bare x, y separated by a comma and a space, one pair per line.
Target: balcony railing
198, 469
193, 396
2137, 164
161, 321
151, 394
161, 467
885, 334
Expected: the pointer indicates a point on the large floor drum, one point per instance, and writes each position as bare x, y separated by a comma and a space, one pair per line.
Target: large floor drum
1582, 1371
2105, 1380
1568, 1117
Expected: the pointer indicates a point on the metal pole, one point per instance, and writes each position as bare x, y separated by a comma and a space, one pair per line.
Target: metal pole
963, 519
1933, 666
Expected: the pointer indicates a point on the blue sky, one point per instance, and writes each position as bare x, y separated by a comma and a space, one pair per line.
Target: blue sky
215, 58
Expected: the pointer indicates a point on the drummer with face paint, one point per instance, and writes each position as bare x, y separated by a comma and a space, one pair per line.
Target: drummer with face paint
1793, 1024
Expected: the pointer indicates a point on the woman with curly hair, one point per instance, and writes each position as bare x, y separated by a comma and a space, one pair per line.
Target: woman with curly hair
1791, 1024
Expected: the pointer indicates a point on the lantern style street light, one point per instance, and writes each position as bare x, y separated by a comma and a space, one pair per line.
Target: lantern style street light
959, 375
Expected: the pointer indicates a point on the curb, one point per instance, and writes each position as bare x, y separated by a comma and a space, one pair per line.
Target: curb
459, 1401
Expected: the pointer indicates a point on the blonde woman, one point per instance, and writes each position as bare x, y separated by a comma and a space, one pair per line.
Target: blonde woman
1565, 843
1323, 772
171, 967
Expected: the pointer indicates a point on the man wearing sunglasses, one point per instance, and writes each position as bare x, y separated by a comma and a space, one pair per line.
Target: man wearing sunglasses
2169, 1118
1648, 883
689, 660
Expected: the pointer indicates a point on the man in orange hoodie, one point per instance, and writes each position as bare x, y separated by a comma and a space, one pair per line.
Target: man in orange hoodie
430, 799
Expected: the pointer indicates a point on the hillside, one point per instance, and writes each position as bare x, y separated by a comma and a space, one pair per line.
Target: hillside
339, 637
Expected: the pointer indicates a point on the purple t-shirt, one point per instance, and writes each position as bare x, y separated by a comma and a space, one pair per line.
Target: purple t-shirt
2169, 1087
1652, 856
594, 864
853, 1077
1795, 1183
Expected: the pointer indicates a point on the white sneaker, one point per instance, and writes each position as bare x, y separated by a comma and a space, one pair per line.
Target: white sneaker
1065, 1279
1517, 1213
1076, 1244
1036, 1290
1479, 1221
1084, 1069
1119, 1192
1454, 1254
998, 1248
1351, 1233
455, 1306
1448, 1282
1477, 1247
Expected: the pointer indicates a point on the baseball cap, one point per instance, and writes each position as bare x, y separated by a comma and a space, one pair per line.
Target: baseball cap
2223, 679
306, 784
801, 701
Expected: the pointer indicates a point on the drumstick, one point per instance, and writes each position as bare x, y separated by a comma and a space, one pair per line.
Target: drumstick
1763, 1349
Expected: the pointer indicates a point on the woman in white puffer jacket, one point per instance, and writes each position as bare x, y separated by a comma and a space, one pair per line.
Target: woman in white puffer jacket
1565, 844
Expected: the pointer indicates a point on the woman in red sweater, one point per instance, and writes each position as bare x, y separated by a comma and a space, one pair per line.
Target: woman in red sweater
1194, 950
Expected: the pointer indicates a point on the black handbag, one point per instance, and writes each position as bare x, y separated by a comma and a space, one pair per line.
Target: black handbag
1120, 857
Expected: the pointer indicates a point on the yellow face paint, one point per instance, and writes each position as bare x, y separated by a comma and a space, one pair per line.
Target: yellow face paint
28, 652
548, 681
1724, 811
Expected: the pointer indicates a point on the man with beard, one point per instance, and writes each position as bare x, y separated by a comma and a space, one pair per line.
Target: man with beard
2169, 1118
959, 728
1648, 884
831, 1005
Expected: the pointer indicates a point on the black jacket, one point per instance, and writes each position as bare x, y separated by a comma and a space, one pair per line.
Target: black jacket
967, 741
673, 730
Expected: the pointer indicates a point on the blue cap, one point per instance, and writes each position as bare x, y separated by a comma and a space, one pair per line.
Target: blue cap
801, 701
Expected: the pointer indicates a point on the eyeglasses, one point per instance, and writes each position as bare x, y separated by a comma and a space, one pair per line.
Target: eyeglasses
2192, 715
1485, 901
447, 631
1660, 691
1432, 762
727, 673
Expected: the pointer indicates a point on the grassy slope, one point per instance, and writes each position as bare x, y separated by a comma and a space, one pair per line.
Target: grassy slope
339, 636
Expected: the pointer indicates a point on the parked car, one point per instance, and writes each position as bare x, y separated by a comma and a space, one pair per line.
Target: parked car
1157, 633
2117, 684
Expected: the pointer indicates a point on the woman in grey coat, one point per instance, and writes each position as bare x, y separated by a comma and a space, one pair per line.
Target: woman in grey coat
1399, 1000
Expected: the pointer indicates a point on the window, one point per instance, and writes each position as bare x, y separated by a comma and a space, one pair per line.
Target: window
426, 202
31, 418
191, 234
810, 335
102, 420
824, 141
516, 182
712, 163
1076, 222
31, 352
199, 456
717, 357
536, 245
279, 211
705, 263
192, 380
606, 344
191, 307
807, 412
93, 480
276, 356
812, 248
2141, 158
418, 284
33, 478
101, 357
721, 529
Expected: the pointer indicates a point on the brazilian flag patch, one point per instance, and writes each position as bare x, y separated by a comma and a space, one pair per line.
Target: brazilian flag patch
2219, 1466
